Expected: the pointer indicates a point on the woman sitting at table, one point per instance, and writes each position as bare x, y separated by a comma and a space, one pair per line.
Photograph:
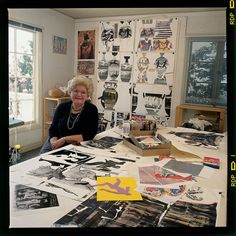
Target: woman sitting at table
76, 120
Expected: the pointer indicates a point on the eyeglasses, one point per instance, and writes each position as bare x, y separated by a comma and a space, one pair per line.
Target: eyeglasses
83, 93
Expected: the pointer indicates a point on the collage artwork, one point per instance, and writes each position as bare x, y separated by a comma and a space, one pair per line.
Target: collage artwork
135, 58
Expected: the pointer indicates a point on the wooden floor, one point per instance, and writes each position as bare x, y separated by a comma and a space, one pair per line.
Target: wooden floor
30, 154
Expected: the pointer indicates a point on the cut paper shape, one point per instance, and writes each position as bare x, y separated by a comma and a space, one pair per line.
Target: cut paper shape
184, 167
117, 188
155, 175
114, 214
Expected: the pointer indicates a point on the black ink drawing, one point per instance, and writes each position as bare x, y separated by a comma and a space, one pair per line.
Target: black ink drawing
68, 180
125, 30
161, 64
32, 198
184, 214
197, 139
77, 174
109, 95
105, 166
103, 143
93, 213
74, 175
47, 171
66, 157
107, 36
154, 102
146, 213
72, 153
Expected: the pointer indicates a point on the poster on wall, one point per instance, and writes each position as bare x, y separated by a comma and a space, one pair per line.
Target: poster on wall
115, 66
85, 67
59, 45
136, 61
156, 35
86, 44
116, 33
114, 96
153, 68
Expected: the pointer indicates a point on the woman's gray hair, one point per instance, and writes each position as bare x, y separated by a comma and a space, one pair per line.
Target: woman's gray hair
81, 80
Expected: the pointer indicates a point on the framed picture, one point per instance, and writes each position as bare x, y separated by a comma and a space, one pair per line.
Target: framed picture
86, 44
85, 67
59, 45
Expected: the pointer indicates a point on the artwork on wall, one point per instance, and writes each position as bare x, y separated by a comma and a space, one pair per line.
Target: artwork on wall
85, 67
59, 45
116, 33
86, 52
86, 44
135, 71
115, 66
153, 68
156, 35
110, 98
109, 119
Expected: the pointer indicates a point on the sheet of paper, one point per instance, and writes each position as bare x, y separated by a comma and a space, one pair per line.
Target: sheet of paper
117, 188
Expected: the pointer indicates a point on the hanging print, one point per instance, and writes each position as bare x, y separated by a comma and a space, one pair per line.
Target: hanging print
163, 37
115, 33
86, 44
102, 66
145, 33
109, 95
85, 67
126, 66
136, 67
156, 35
106, 36
114, 96
153, 68
59, 45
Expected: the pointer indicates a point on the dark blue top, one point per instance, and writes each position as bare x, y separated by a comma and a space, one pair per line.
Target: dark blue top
87, 124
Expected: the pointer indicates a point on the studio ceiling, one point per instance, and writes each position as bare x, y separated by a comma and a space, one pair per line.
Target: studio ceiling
85, 13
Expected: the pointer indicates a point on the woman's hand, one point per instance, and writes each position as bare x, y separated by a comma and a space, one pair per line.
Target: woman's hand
56, 143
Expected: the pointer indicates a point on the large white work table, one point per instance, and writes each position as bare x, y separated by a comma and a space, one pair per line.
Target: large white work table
46, 217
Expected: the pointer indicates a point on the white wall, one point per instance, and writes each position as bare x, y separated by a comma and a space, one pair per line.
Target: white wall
56, 68
212, 23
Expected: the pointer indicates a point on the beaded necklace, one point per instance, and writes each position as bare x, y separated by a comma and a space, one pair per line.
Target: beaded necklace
73, 119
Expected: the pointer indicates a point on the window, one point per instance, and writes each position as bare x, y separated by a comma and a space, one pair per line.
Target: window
24, 71
207, 78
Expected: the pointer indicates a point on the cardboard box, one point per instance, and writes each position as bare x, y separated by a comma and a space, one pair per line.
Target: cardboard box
163, 148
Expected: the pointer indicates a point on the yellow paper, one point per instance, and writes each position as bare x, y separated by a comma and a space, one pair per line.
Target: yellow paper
117, 188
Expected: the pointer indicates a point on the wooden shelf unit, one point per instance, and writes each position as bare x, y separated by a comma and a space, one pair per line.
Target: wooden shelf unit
50, 105
218, 111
